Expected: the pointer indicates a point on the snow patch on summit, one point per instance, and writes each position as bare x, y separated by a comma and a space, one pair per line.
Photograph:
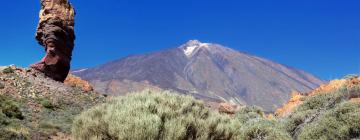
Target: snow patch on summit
192, 46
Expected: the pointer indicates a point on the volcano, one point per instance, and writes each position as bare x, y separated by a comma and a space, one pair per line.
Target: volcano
208, 71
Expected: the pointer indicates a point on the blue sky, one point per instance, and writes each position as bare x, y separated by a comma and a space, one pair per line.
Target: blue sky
321, 37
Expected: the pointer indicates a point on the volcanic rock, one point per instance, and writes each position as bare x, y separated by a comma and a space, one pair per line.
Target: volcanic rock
75, 81
55, 32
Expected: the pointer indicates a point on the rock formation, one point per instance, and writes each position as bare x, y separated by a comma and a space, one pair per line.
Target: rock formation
55, 32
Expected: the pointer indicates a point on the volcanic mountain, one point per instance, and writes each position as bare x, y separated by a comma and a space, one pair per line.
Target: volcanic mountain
210, 72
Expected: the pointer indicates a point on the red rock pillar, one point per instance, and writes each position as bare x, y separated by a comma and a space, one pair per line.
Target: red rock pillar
55, 32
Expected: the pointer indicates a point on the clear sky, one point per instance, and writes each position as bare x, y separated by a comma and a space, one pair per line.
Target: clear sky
321, 37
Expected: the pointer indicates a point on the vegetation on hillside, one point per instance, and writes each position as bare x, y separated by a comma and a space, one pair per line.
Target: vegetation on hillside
10, 117
164, 115
327, 115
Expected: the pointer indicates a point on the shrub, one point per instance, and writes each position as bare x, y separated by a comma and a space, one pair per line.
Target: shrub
11, 135
343, 122
256, 126
150, 115
14, 131
3, 119
47, 104
262, 129
322, 100
310, 106
322, 110
247, 113
10, 108
8, 70
295, 119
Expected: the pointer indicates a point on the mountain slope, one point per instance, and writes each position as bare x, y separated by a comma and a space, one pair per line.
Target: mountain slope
208, 71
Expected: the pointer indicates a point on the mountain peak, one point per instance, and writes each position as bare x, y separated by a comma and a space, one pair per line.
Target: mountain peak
208, 71
192, 46
193, 42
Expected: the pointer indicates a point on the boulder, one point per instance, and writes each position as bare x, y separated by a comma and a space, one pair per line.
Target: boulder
228, 108
75, 81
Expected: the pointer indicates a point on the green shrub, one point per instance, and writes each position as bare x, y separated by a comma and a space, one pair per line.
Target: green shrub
8, 70
310, 106
295, 119
255, 126
47, 104
322, 100
320, 111
10, 129
151, 115
262, 129
343, 122
14, 130
247, 113
10, 108
4, 120
11, 135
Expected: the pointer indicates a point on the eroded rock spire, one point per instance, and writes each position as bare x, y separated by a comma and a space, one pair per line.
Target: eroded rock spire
55, 32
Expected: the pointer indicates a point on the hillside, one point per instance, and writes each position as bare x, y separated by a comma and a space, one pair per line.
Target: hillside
334, 85
33, 106
210, 72
328, 112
